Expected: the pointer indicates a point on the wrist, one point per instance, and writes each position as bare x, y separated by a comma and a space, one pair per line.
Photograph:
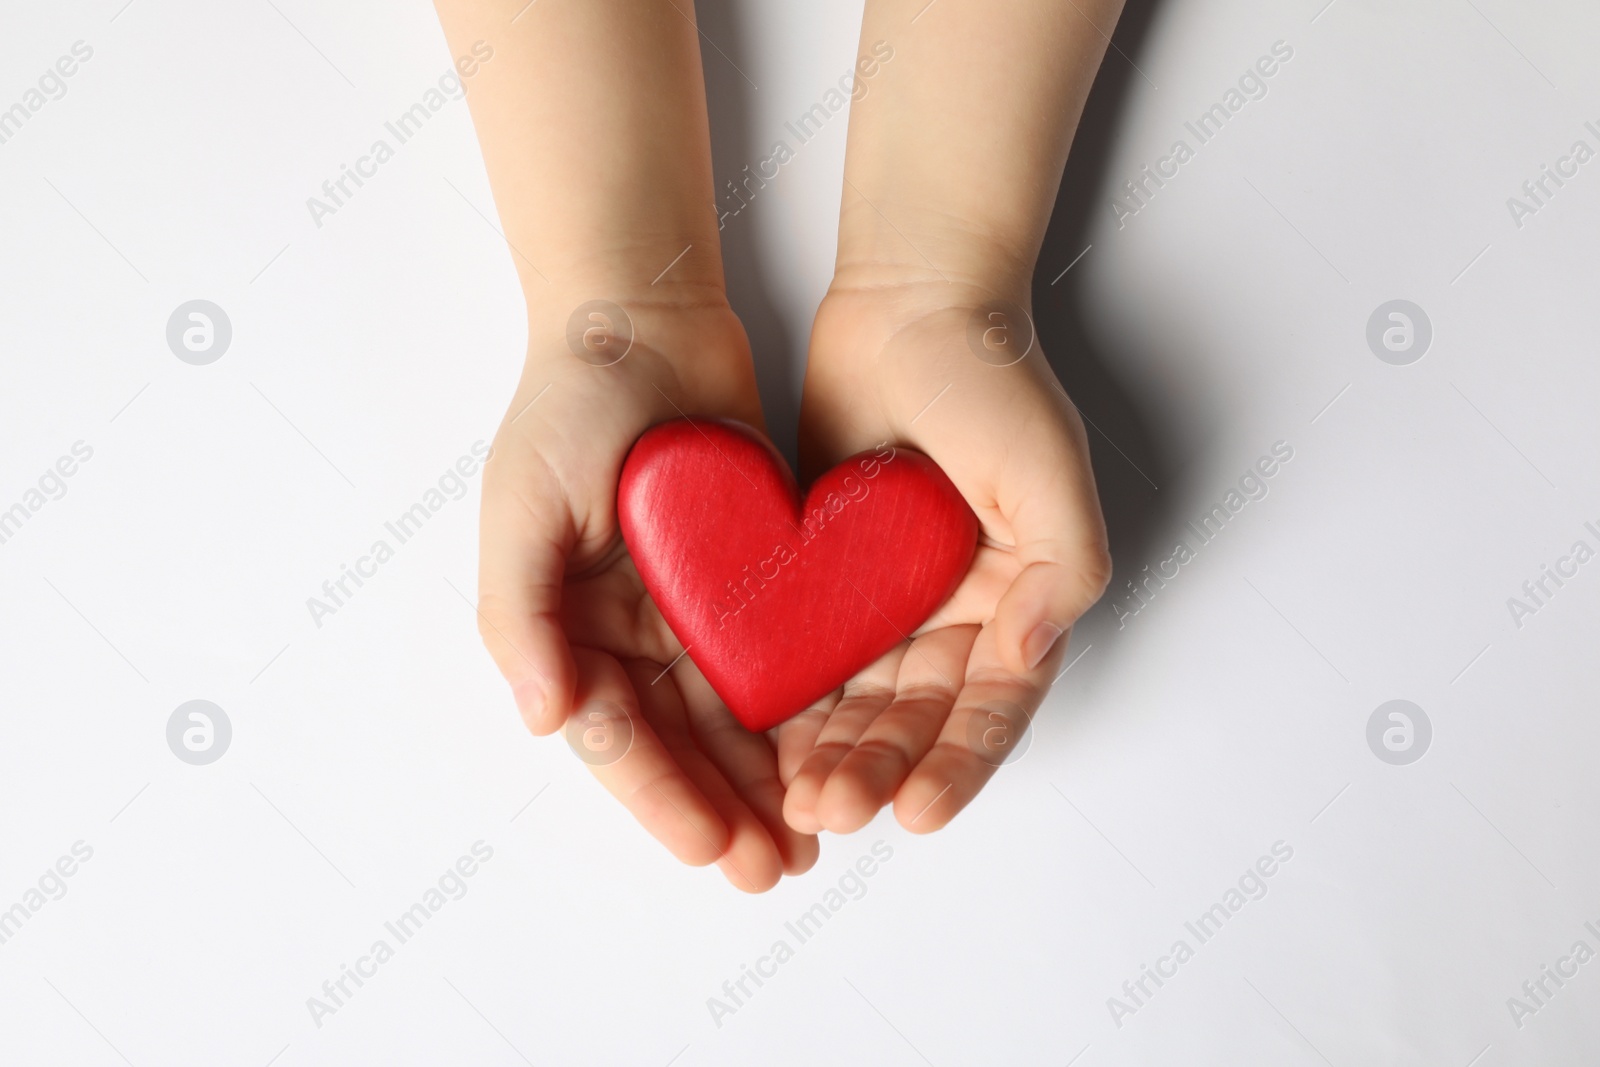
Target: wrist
641, 288
677, 270
884, 244
674, 348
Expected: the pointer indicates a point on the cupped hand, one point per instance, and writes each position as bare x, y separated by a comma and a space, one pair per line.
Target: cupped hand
926, 725
561, 607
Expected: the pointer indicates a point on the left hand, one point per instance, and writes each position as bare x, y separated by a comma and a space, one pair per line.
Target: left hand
893, 363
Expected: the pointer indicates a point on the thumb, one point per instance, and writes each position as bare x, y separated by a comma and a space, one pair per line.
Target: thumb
1060, 540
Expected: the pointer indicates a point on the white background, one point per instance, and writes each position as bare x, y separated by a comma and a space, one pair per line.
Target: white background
372, 752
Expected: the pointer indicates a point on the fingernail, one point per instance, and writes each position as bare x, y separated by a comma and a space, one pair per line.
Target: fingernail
530, 700
1039, 643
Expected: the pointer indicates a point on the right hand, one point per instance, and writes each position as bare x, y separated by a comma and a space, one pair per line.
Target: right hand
561, 607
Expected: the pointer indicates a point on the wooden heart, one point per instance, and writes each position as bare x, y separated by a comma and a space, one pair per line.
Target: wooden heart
777, 600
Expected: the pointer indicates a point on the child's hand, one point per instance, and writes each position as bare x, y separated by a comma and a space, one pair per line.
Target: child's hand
926, 725
563, 612
951, 170
592, 118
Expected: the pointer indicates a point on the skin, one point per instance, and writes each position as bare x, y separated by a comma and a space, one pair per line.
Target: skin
952, 167
593, 125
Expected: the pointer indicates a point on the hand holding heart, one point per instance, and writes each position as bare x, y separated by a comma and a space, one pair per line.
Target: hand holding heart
561, 607
901, 731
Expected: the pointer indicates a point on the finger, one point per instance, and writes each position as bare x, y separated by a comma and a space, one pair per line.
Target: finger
863, 698
750, 766
897, 739
746, 854
965, 755
613, 610
796, 737
525, 535
646, 777
1060, 542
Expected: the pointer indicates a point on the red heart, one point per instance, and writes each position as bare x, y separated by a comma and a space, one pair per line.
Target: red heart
779, 602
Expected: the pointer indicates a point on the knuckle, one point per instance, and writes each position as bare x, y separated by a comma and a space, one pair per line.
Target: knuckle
1095, 569
892, 754
864, 690
923, 692
494, 618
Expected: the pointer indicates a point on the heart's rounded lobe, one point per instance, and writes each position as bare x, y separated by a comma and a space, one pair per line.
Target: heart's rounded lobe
780, 600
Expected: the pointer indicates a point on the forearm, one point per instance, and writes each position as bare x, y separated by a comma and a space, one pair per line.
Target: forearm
592, 121
955, 155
